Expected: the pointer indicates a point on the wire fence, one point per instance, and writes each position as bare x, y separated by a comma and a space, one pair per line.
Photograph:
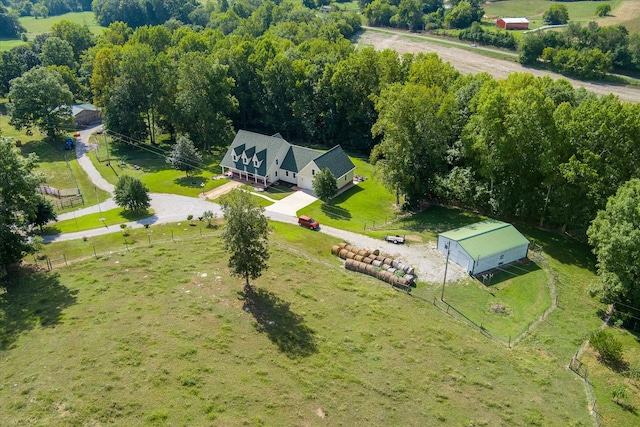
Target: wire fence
61, 255
579, 368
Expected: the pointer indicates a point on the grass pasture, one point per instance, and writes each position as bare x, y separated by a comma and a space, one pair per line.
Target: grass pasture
42, 25
161, 336
579, 11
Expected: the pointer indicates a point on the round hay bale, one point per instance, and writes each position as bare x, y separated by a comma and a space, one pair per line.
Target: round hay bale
409, 278
350, 255
400, 266
350, 265
409, 270
395, 263
335, 249
343, 253
376, 263
370, 270
380, 257
376, 252
388, 261
349, 248
358, 258
342, 245
368, 260
362, 267
391, 270
380, 274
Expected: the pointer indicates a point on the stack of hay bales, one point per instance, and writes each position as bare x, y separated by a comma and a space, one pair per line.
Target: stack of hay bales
372, 263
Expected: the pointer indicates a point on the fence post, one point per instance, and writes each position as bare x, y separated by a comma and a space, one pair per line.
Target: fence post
509, 341
126, 244
149, 238
94, 251
172, 236
65, 259
201, 232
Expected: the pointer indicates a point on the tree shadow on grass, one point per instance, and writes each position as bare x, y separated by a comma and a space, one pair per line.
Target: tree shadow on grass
335, 212
284, 328
31, 298
191, 181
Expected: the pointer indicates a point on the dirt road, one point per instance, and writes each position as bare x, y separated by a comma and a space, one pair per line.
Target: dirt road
467, 61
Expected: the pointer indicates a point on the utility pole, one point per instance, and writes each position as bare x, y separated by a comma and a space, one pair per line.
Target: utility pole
446, 265
106, 141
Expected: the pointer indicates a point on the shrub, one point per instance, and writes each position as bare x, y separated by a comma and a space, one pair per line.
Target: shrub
607, 346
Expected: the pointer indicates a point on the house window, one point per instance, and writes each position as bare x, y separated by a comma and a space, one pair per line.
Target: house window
276, 162
294, 175
276, 173
313, 172
286, 173
234, 156
345, 177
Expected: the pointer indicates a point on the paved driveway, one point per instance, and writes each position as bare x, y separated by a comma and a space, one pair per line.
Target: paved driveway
292, 203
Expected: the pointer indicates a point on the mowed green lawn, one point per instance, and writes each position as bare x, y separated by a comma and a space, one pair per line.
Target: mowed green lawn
150, 166
110, 218
161, 336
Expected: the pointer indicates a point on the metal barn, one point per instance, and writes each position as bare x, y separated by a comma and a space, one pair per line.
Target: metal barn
482, 246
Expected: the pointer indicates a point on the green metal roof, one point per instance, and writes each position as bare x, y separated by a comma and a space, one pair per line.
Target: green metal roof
486, 238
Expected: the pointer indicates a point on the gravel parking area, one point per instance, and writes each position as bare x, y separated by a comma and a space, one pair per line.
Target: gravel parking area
425, 258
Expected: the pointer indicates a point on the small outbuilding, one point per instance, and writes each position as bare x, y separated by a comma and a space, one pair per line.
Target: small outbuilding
484, 245
85, 114
513, 23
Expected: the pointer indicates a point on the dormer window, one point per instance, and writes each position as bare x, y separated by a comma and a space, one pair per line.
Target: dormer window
313, 172
234, 157
245, 159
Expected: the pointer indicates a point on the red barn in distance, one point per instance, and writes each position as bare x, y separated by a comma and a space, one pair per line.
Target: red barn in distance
513, 23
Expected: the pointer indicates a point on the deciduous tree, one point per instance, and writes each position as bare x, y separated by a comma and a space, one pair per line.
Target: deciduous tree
325, 185
18, 202
131, 193
615, 237
40, 98
245, 236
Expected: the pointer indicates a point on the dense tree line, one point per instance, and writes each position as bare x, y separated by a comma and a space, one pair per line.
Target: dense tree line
422, 14
44, 8
587, 51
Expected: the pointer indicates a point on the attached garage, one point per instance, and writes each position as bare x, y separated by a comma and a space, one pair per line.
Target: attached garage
485, 245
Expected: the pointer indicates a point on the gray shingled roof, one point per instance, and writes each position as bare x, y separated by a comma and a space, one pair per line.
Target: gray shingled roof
336, 160
264, 146
298, 157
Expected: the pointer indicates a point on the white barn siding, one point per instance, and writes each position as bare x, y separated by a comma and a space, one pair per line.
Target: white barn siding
496, 260
456, 253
